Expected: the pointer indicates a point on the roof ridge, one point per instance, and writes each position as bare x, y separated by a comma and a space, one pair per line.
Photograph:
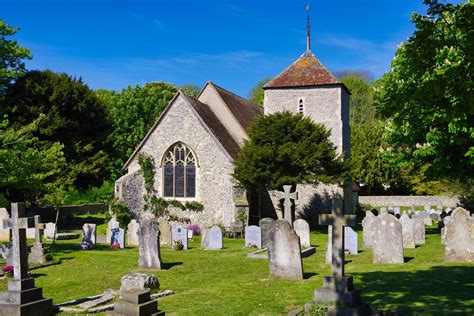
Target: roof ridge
225, 90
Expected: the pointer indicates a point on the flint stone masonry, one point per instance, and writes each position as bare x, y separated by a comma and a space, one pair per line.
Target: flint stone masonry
266, 225
408, 231
459, 237
301, 228
284, 252
408, 200
367, 230
253, 236
387, 245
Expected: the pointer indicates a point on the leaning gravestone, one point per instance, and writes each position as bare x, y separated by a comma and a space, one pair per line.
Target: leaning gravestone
459, 237
49, 230
351, 242
419, 230
111, 225
253, 236
179, 234
408, 231
301, 228
165, 234
117, 239
367, 230
213, 238
266, 225
4, 233
387, 245
149, 245
89, 233
132, 233
285, 252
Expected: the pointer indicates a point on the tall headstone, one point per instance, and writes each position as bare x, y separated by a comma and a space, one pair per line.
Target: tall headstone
89, 233
49, 230
118, 238
132, 233
37, 253
180, 234
284, 252
287, 196
213, 240
419, 231
22, 298
387, 245
408, 231
4, 233
149, 243
165, 234
351, 241
266, 225
459, 237
253, 236
367, 230
301, 228
111, 225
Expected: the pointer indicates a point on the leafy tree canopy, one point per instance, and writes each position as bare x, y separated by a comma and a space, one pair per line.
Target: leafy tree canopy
427, 95
74, 117
190, 89
362, 108
257, 94
285, 148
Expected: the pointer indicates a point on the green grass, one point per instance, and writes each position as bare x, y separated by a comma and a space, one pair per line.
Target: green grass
225, 282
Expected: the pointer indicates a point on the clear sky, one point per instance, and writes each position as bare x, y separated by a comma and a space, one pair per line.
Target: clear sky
115, 43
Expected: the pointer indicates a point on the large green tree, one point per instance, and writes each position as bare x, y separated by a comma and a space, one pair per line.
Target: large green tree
257, 93
74, 117
362, 108
11, 57
427, 97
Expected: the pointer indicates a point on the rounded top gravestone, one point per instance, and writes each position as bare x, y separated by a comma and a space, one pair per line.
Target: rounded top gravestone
253, 236
214, 238
387, 244
301, 228
459, 237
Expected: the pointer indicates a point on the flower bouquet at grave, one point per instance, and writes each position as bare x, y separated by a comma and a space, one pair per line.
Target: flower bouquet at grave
8, 271
195, 228
178, 245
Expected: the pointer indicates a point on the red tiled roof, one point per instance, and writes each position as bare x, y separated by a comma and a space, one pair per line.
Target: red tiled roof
306, 71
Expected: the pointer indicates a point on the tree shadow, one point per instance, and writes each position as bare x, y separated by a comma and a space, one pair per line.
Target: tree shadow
169, 265
442, 290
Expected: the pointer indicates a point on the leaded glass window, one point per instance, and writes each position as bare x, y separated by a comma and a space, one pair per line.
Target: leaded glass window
179, 172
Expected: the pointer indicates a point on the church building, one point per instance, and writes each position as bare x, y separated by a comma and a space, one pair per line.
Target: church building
195, 141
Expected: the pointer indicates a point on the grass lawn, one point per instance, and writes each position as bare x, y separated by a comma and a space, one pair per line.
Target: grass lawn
225, 282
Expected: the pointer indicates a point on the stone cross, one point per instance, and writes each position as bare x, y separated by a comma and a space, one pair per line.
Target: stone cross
18, 224
287, 204
337, 220
38, 226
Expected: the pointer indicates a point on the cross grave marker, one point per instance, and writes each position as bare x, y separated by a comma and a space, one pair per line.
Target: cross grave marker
288, 196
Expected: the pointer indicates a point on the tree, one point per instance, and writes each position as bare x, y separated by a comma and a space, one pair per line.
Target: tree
362, 108
285, 148
74, 117
427, 95
190, 89
11, 57
133, 111
257, 94
365, 75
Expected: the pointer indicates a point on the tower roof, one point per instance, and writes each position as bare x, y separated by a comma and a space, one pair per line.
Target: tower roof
305, 71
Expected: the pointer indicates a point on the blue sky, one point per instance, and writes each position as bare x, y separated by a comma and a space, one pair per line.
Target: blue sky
115, 43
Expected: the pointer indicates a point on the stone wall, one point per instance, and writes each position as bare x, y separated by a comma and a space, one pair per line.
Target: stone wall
409, 200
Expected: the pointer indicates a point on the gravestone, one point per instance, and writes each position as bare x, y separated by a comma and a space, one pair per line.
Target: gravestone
179, 234
419, 231
459, 237
30, 233
425, 217
396, 210
22, 297
37, 253
89, 233
266, 225
165, 234
111, 225
287, 197
4, 233
253, 236
190, 234
443, 230
149, 244
301, 228
367, 230
132, 233
49, 230
408, 231
383, 210
117, 239
387, 245
351, 242
213, 239
284, 252
427, 208
6, 251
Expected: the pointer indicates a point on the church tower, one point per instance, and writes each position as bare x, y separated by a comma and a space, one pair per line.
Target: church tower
308, 87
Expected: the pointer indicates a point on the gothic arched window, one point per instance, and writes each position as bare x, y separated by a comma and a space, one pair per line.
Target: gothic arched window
301, 106
179, 172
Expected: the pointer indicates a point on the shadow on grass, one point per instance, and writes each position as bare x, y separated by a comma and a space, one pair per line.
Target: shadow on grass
169, 265
37, 275
440, 290
309, 275
70, 247
408, 259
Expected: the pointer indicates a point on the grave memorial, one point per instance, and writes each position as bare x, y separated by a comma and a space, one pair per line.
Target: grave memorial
287, 196
266, 225
387, 246
301, 228
253, 236
37, 253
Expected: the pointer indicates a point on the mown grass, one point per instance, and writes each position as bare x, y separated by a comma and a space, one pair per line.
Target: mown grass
225, 282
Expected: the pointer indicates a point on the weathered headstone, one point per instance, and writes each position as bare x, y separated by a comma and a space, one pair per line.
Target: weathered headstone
419, 231
367, 230
266, 225
287, 197
387, 245
49, 230
149, 245
89, 234
213, 239
301, 228
408, 231
22, 298
459, 237
253, 236
180, 234
284, 252
425, 217
165, 234
111, 225
351, 241
37, 253
117, 239
4, 233
132, 233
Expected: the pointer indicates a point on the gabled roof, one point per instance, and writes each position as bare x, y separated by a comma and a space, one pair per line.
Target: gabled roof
306, 71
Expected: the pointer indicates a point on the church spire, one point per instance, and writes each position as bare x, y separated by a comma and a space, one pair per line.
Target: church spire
308, 30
